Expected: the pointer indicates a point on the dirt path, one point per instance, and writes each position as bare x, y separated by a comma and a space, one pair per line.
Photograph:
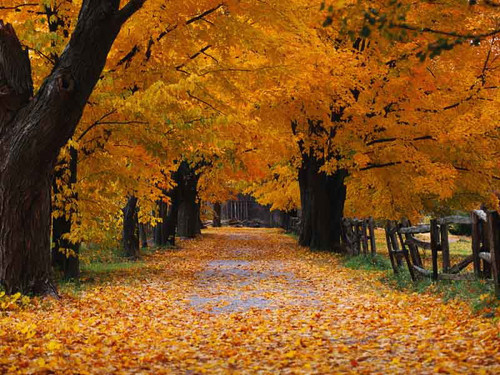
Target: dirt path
246, 302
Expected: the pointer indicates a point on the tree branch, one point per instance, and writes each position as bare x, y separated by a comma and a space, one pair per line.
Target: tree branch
19, 6
128, 10
171, 28
381, 165
463, 169
192, 57
16, 84
446, 33
385, 140
204, 14
204, 102
95, 124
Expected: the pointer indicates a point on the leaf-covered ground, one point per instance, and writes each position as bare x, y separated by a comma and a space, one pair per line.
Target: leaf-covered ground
245, 301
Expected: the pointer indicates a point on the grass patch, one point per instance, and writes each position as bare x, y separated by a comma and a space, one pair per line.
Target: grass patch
479, 294
103, 268
99, 265
98, 272
367, 262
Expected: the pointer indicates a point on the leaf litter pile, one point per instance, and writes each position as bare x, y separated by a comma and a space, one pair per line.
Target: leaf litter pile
245, 301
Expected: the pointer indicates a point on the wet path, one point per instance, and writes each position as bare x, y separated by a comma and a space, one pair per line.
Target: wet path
245, 301
239, 281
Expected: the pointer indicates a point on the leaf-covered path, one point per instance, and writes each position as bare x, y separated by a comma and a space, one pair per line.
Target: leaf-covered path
245, 301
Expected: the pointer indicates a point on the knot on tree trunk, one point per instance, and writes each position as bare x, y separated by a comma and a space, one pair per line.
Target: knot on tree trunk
65, 82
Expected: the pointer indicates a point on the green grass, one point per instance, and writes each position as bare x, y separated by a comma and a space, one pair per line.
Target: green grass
98, 272
479, 294
367, 262
107, 264
103, 268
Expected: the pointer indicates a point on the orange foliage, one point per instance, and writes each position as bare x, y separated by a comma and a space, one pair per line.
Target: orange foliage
222, 82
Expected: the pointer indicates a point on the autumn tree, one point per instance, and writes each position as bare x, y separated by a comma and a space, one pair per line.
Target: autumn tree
368, 115
34, 128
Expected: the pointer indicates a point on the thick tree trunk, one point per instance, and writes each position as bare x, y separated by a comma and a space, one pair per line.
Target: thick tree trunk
322, 198
188, 219
33, 130
217, 215
130, 238
65, 254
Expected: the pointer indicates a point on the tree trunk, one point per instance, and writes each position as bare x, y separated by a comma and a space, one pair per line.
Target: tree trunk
143, 235
172, 219
188, 219
160, 230
33, 130
65, 254
217, 215
130, 238
164, 232
322, 197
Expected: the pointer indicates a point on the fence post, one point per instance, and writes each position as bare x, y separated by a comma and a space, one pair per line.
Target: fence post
395, 245
494, 244
364, 238
388, 228
476, 244
357, 236
434, 248
407, 256
371, 227
445, 247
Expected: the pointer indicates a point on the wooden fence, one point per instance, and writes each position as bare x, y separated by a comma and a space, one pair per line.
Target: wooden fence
236, 210
358, 236
485, 249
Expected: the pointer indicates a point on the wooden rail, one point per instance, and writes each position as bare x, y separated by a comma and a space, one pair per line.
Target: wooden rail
485, 248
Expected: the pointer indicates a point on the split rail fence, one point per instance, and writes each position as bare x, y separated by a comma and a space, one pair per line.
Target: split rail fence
403, 246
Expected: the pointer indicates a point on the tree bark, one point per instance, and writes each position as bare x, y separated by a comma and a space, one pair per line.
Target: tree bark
164, 232
160, 230
130, 238
171, 225
188, 219
65, 254
33, 130
143, 235
217, 215
322, 197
